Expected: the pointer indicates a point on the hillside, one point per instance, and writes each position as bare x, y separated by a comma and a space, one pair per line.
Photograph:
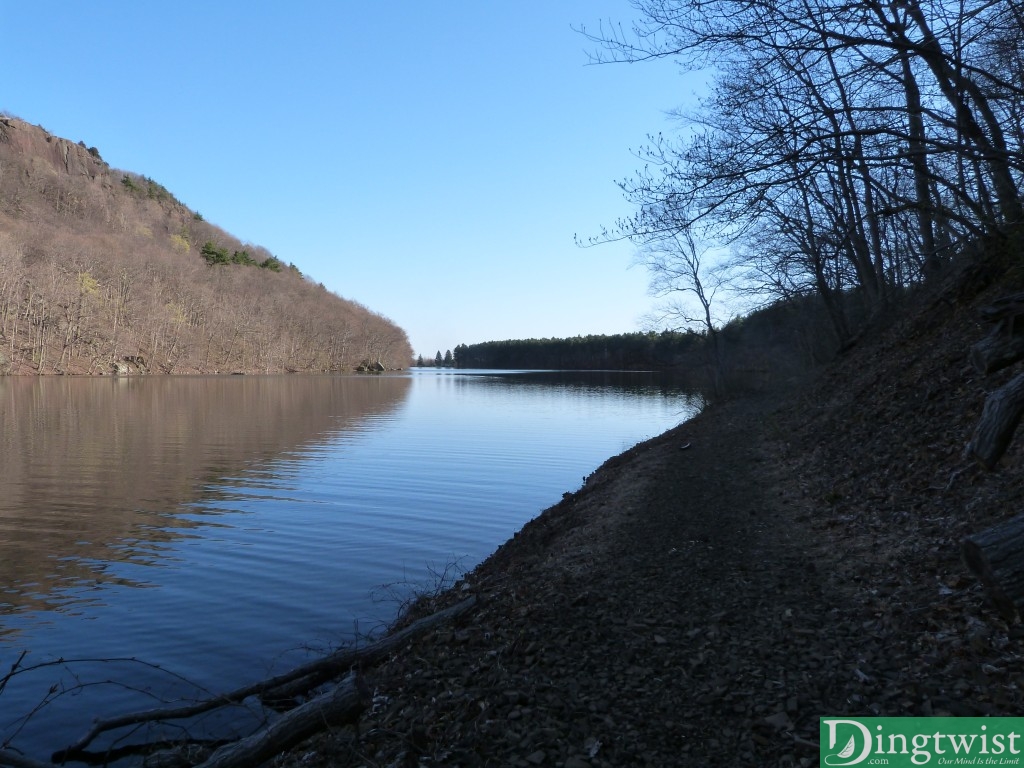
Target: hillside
104, 271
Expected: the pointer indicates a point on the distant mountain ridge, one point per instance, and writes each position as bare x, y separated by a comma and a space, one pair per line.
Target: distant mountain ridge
105, 271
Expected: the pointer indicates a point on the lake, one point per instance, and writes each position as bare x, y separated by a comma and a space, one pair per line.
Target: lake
165, 536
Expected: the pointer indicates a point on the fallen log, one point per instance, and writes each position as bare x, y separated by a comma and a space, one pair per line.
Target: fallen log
998, 422
340, 705
314, 672
1008, 307
1002, 347
996, 557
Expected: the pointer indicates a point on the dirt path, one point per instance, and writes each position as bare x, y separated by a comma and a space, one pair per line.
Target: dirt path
669, 613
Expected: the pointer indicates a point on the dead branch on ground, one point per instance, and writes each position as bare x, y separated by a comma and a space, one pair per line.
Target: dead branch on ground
312, 674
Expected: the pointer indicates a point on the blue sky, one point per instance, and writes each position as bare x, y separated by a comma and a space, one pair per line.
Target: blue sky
430, 160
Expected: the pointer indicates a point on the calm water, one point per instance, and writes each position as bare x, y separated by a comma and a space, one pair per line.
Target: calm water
224, 528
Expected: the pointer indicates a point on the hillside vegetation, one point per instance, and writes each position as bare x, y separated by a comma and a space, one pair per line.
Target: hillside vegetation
780, 339
103, 270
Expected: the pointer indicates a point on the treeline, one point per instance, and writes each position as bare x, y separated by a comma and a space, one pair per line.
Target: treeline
103, 270
779, 339
439, 361
847, 150
627, 352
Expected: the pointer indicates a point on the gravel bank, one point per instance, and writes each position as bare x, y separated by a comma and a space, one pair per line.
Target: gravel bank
669, 613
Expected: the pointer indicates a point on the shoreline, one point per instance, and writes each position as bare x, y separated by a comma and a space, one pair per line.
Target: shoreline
596, 621
706, 597
710, 593
550, 494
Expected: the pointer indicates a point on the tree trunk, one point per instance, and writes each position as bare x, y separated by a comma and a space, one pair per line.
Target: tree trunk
955, 85
1002, 347
996, 556
917, 154
999, 420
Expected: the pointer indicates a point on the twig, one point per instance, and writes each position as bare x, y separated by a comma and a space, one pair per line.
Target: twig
13, 670
58, 689
321, 669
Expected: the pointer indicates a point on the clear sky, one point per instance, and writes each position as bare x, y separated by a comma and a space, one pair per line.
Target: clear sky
431, 160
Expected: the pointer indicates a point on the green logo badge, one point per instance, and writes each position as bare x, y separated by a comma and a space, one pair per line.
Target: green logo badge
916, 741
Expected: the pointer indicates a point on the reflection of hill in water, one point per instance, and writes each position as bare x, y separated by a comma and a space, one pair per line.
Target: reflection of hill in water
93, 470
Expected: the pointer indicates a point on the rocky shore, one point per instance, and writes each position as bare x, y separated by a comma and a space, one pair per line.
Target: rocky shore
708, 595
602, 624
703, 600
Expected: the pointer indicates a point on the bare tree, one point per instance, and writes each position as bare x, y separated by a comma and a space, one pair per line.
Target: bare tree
832, 130
678, 268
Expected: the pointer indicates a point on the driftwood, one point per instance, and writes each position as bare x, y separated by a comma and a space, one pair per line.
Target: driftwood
1002, 347
1005, 308
996, 556
313, 673
1005, 344
340, 705
999, 419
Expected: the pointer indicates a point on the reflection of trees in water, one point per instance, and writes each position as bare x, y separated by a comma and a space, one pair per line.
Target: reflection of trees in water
93, 471
636, 383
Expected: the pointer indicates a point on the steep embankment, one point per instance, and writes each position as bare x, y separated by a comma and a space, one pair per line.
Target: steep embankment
104, 270
706, 605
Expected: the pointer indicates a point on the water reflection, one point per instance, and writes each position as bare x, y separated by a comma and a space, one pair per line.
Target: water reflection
223, 527
634, 383
93, 471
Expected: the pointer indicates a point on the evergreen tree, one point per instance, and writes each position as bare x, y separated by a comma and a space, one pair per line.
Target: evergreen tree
214, 254
438, 360
448, 362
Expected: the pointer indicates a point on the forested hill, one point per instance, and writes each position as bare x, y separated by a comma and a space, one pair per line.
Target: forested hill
103, 270
784, 336
627, 351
